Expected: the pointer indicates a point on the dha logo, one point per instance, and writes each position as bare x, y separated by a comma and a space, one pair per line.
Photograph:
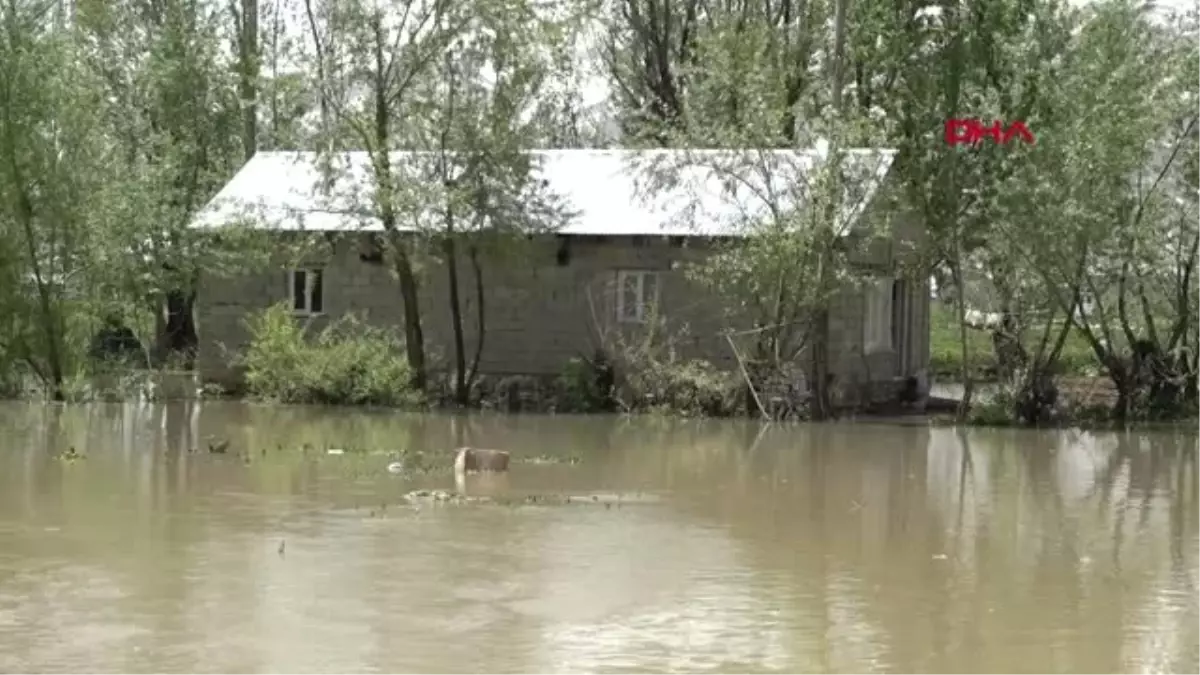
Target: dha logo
971, 131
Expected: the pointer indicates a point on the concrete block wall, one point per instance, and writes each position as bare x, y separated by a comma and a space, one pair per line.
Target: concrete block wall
538, 314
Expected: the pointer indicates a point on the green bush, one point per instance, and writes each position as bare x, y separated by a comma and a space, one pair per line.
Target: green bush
10, 382
693, 387
641, 379
586, 385
348, 362
996, 411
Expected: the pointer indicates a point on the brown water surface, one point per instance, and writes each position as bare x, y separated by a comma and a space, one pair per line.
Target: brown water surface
710, 546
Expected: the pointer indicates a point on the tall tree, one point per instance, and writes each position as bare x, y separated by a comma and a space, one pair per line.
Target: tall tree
1105, 212
479, 113
750, 79
954, 61
51, 171
171, 102
245, 15
368, 58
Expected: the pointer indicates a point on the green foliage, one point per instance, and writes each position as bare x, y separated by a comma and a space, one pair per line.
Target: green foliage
347, 362
690, 388
586, 385
461, 83
650, 373
996, 411
643, 376
116, 126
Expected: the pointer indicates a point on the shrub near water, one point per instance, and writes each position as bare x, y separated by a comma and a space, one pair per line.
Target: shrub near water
348, 362
693, 387
641, 382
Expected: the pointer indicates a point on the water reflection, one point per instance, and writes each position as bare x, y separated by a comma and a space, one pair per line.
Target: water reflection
824, 548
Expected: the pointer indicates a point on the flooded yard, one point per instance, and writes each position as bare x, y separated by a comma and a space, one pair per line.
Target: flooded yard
696, 546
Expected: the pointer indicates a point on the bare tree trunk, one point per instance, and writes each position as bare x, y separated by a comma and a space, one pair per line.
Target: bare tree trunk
479, 316
322, 71
178, 335
248, 68
276, 28
960, 306
947, 212
49, 319
414, 337
839, 52
822, 403
821, 396
460, 355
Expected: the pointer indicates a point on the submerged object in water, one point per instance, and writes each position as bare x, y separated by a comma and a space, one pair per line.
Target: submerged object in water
471, 460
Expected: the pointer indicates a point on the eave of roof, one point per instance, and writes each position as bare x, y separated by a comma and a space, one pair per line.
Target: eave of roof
705, 192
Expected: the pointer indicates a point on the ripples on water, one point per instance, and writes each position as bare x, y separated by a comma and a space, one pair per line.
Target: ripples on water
821, 548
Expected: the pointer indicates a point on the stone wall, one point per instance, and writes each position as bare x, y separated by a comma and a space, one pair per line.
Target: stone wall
550, 300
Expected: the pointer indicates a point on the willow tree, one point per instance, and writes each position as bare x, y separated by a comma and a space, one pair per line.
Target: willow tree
980, 61
385, 85
367, 60
52, 171
1105, 213
754, 75
245, 16
171, 107
477, 124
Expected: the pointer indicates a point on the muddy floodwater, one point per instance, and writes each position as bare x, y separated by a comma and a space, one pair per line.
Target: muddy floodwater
685, 546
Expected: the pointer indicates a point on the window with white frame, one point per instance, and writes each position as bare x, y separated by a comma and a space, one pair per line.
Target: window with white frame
308, 290
877, 316
637, 294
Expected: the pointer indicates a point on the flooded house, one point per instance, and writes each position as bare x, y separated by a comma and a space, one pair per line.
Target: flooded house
614, 266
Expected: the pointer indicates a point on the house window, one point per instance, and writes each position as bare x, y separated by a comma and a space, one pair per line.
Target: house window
308, 291
637, 293
877, 316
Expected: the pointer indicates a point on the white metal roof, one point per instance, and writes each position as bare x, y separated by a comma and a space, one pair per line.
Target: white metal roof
694, 192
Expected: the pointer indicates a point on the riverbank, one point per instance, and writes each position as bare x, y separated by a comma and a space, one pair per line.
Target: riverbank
693, 392
1087, 402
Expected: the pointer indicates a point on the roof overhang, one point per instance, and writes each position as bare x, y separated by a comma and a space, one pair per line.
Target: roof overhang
688, 193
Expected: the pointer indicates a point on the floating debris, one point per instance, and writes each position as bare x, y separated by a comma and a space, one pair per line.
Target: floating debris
547, 459
451, 497
442, 496
396, 467
335, 451
476, 460
218, 447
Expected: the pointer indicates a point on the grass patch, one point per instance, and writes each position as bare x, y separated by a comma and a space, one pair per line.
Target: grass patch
1077, 357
